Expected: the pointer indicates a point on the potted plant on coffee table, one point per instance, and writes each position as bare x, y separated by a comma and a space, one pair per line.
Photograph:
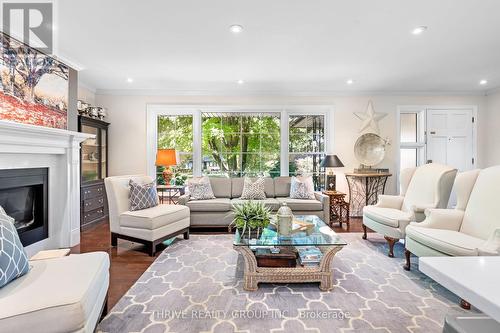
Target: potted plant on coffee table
250, 218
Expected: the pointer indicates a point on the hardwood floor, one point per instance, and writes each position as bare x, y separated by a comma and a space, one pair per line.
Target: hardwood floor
129, 260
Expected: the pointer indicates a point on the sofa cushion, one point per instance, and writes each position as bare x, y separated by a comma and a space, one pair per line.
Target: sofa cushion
154, 217
212, 205
388, 216
282, 186
200, 188
237, 186
221, 186
253, 190
143, 195
268, 202
57, 295
302, 204
13, 259
302, 187
450, 242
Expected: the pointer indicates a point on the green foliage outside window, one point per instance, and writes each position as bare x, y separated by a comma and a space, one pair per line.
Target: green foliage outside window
241, 144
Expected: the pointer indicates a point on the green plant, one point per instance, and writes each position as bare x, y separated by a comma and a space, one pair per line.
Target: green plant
180, 179
251, 216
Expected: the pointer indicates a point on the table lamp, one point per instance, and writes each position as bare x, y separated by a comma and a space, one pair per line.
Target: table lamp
166, 158
329, 162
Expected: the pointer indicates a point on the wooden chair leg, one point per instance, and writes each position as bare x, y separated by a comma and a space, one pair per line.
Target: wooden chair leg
464, 304
407, 266
114, 239
152, 249
364, 231
391, 242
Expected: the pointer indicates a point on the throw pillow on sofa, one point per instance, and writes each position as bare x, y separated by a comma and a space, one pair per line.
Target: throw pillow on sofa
200, 189
142, 196
253, 190
13, 260
302, 187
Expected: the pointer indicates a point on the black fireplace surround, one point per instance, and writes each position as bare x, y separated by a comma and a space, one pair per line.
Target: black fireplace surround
24, 197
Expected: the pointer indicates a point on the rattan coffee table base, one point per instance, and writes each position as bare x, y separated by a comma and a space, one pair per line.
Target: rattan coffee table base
253, 274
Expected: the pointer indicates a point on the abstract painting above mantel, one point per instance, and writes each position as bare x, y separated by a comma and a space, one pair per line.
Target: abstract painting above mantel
33, 86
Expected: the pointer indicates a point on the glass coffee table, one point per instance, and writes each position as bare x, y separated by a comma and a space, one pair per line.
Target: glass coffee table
321, 236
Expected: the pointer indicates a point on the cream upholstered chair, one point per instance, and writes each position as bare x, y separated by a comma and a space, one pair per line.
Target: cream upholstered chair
471, 229
149, 226
427, 186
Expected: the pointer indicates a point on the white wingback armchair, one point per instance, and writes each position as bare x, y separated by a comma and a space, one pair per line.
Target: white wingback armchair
150, 226
427, 186
471, 229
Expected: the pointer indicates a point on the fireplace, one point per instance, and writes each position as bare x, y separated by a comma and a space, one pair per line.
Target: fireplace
24, 197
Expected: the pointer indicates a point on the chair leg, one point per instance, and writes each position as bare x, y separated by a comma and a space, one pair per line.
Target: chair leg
407, 266
114, 239
186, 235
391, 242
464, 304
364, 231
152, 249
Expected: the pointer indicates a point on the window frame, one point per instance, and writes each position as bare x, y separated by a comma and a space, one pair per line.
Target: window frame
420, 143
155, 110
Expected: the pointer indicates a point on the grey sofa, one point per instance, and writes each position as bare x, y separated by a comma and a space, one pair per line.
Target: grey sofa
217, 212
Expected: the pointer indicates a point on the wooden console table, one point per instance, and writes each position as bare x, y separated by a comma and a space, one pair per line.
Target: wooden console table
364, 189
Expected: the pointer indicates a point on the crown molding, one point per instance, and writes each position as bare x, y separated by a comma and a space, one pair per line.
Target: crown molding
492, 91
87, 86
287, 93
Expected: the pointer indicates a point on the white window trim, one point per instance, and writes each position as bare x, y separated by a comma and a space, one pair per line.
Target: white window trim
155, 110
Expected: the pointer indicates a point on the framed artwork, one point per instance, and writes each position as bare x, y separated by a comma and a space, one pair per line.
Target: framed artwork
33, 86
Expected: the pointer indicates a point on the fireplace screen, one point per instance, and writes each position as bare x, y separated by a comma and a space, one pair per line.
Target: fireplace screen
23, 196
19, 203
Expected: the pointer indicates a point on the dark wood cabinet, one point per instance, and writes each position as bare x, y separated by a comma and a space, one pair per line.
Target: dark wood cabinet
93, 170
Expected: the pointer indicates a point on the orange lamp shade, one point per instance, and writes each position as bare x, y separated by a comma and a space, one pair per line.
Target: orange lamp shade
166, 157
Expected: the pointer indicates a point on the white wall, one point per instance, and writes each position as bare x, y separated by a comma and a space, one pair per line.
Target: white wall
86, 94
493, 129
127, 115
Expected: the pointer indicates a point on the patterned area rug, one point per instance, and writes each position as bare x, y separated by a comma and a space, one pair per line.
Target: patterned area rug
196, 286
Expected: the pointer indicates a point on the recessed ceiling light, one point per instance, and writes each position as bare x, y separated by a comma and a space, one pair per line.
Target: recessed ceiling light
350, 81
240, 82
419, 30
483, 82
236, 28
130, 80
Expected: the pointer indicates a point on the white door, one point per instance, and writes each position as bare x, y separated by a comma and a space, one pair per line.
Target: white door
450, 140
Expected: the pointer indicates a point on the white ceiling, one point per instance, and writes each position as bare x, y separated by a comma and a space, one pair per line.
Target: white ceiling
286, 45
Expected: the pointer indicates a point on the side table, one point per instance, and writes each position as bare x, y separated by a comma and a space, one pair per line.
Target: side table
364, 189
339, 208
172, 193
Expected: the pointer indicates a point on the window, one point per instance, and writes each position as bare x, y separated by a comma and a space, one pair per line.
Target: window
306, 145
176, 132
412, 142
236, 144
233, 141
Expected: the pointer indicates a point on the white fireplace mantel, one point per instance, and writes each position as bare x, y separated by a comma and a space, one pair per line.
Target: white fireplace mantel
29, 146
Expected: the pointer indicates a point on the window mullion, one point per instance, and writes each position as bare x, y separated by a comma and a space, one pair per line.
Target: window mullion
284, 144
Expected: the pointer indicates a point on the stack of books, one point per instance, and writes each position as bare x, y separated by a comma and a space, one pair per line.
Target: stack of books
309, 256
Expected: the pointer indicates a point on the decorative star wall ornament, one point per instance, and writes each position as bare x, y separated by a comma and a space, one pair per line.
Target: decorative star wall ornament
370, 119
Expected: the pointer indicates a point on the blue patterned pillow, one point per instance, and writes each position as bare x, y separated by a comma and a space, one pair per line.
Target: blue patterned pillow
13, 259
142, 196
